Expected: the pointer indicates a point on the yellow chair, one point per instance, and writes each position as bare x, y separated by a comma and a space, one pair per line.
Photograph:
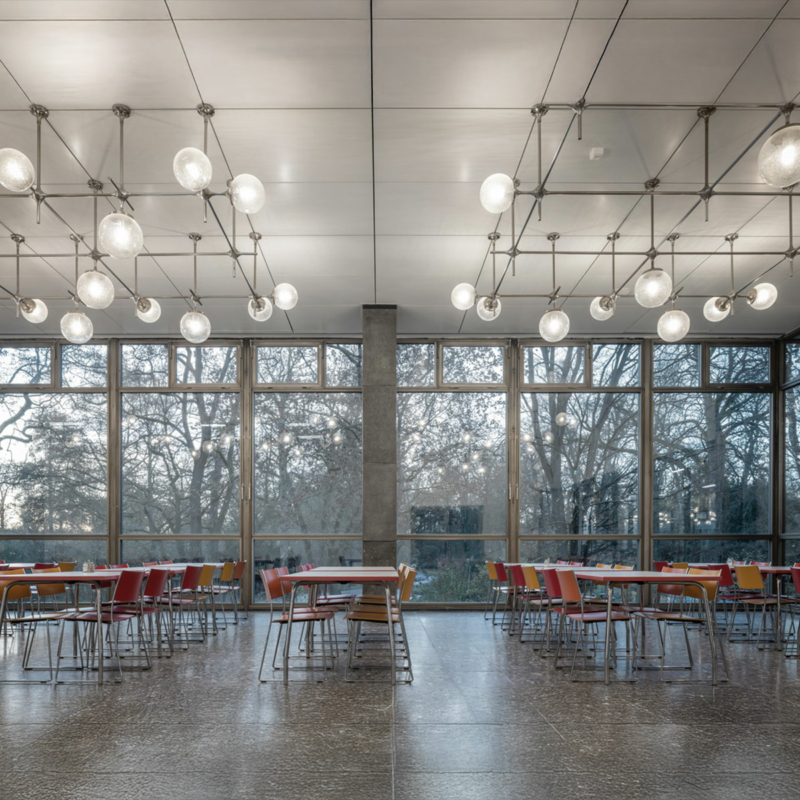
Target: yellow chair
680, 565
67, 566
749, 580
494, 586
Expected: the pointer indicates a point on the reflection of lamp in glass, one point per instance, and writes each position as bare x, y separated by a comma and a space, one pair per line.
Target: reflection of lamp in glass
467, 437
572, 422
338, 438
465, 467
287, 438
332, 422
195, 454
561, 419
548, 437
529, 448
481, 470
225, 440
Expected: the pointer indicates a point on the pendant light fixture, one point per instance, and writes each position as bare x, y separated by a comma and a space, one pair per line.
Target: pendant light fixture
146, 309
247, 193
497, 193
32, 309
673, 325
16, 171
463, 296
259, 308
603, 308
717, 308
779, 157
488, 308
192, 167
554, 325
195, 325
95, 289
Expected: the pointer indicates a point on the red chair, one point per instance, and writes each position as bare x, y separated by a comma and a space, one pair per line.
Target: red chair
45, 565
761, 563
561, 563
502, 588
120, 566
576, 563
127, 591
658, 566
149, 563
164, 563
150, 605
186, 597
796, 599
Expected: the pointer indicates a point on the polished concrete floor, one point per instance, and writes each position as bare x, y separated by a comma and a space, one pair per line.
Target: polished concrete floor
485, 718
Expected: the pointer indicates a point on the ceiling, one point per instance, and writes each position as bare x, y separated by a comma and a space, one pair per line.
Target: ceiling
372, 126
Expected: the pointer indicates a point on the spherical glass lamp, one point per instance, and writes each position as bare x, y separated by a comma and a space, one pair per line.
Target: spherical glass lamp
95, 289
717, 308
76, 327
673, 325
463, 296
548, 437
561, 419
497, 193
259, 308
572, 423
653, 288
192, 169
489, 309
195, 327
762, 296
779, 158
16, 171
33, 310
554, 325
602, 308
247, 193
120, 236
147, 309
285, 297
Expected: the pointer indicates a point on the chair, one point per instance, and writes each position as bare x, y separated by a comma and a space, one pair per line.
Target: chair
236, 582
274, 590
358, 615
149, 563
45, 565
754, 594
120, 566
658, 566
573, 611
502, 589
494, 586
67, 566
185, 597
534, 597
164, 563
151, 606
680, 565
793, 629
127, 591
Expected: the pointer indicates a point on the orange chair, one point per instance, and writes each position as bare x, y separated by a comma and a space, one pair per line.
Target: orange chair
754, 595
494, 586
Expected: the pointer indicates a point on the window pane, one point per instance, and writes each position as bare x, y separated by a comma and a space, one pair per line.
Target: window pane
580, 463
711, 471
54, 550
135, 551
292, 553
792, 361
288, 365
554, 364
473, 364
450, 570
739, 365
615, 365
714, 551
206, 364
588, 550
180, 463
791, 552
53, 463
343, 365
416, 365
307, 463
84, 365
23, 365
451, 467
791, 486
676, 365
145, 365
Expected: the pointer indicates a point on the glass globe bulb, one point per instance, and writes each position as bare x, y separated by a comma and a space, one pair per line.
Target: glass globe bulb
95, 289
497, 193
463, 296
779, 158
548, 437
247, 193
260, 310
653, 288
36, 312
192, 169
284, 295
561, 419
762, 296
673, 325
195, 327
602, 308
716, 308
120, 236
489, 309
148, 310
76, 327
554, 325
16, 171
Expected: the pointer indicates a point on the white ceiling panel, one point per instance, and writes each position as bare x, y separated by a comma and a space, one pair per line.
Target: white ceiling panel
707, 9
269, 9
83, 10
495, 9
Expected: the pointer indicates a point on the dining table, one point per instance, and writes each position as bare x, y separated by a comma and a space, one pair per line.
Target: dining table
387, 577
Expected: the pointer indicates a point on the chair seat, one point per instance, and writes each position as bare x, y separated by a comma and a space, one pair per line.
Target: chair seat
760, 601
336, 599
670, 616
593, 616
91, 616
370, 616
136, 610
303, 616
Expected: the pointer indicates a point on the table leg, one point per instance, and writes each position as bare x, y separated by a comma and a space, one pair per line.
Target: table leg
779, 631
711, 633
388, 591
99, 595
609, 623
288, 634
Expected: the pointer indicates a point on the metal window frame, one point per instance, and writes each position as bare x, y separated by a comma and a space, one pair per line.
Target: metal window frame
587, 370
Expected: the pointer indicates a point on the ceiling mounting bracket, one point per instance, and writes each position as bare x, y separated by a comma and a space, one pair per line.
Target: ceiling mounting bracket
206, 110
40, 112
121, 110
652, 184
704, 112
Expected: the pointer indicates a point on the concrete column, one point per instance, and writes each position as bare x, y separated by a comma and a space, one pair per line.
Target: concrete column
379, 390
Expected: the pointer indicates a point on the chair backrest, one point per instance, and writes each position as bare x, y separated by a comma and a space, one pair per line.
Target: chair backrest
749, 578
761, 563
283, 570
491, 571
517, 575
603, 566
570, 590
101, 566
50, 589
501, 571
672, 588
273, 586
238, 570
207, 575
156, 583
408, 585
551, 584
120, 566
796, 579
149, 563
191, 577
576, 563
679, 565
561, 562
15, 592
67, 566
531, 579
710, 586
129, 586
45, 565
659, 565
622, 566
226, 576
726, 576
740, 563
165, 563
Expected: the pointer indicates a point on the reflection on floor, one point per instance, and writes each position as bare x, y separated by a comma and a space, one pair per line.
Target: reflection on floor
485, 718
